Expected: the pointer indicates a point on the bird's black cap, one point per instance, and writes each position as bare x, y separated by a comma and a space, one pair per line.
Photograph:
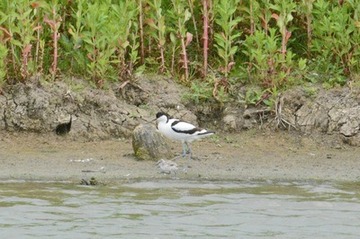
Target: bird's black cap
159, 114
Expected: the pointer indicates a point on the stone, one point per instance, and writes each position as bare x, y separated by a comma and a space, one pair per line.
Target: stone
229, 122
149, 144
353, 140
311, 116
350, 128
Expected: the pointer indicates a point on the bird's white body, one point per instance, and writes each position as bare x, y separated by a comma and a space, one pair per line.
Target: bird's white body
181, 131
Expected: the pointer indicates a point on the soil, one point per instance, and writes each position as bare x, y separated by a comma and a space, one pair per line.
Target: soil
248, 155
320, 144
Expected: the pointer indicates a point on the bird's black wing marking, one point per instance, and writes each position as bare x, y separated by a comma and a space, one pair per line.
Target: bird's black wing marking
183, 127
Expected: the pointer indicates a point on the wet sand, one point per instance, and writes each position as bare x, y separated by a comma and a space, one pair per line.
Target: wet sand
251, 155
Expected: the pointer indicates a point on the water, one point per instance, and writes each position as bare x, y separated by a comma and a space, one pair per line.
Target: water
180, 209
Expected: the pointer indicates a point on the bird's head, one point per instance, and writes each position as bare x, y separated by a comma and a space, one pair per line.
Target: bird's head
162, 117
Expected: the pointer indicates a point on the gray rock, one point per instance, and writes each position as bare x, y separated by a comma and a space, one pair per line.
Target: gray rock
255, 116
335, 111
350, 128
353, 140
312, 116
232, 119
229, 122
149, 144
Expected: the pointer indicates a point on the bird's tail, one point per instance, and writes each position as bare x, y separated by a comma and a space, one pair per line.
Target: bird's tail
205, 132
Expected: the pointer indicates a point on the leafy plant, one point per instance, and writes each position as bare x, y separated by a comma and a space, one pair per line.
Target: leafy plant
3, 54
157, 22
112, 39
306, 7
333, 39
133, 49
106, 34
73, 43
54, 24
200, 91
99, 41
181, 15
124, 23
17, 20
226, 39
284, 16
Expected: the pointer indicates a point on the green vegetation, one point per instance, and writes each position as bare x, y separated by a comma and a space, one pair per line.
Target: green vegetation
209, 45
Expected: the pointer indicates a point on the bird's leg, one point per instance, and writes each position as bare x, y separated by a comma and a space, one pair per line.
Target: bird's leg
184, 151
188, 150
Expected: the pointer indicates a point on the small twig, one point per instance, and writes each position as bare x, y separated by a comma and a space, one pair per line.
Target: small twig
279, 116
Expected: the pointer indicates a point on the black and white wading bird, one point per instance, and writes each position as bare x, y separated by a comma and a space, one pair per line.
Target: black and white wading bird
179, 130
64, 128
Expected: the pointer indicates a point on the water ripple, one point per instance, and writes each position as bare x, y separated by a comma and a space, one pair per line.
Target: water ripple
181, 209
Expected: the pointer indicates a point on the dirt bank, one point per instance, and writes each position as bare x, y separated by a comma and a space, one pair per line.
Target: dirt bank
250, 155
98, 146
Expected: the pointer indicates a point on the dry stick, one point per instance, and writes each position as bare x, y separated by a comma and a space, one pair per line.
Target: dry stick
205, 35
279, 116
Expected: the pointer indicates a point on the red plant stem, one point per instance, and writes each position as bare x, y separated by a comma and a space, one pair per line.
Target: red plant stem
54, 64
185, 60
56, 37
283, 44
173, 62
25, 60
205, 36
252, 24
37, 46
54, 25
162, 56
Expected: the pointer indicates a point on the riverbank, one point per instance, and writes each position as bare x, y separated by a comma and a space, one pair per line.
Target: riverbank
250, 155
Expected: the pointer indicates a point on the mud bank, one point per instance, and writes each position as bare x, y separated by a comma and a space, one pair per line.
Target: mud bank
247, 156
115, 111
320, 145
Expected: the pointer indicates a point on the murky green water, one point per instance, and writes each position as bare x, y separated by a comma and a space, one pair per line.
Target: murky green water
180, 209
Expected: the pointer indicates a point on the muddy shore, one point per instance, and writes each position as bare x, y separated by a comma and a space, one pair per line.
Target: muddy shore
250, 155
